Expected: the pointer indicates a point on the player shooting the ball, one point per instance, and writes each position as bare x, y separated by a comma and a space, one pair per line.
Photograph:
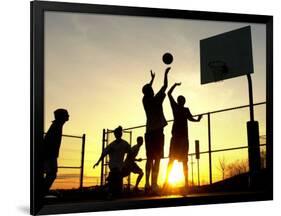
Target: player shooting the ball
155, 123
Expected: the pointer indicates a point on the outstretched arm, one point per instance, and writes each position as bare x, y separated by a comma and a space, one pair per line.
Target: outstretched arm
152, 77
165, 85
104, 153
172, 100
190, 117
172, 88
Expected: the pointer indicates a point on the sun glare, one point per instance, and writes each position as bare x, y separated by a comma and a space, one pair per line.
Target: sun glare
176, 177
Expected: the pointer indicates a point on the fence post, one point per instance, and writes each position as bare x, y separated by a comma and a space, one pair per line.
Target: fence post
192, 180
82, 160
210, 149
129, 177
198, 172
102, 162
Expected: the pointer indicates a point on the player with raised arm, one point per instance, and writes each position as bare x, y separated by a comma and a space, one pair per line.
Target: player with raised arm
179, 145
155, 123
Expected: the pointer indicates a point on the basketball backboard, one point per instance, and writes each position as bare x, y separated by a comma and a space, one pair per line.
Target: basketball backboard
226, 55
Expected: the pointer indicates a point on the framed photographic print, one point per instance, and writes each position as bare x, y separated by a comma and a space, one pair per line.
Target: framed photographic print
141, 107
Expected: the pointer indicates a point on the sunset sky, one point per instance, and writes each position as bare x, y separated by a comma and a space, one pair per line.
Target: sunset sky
96, 65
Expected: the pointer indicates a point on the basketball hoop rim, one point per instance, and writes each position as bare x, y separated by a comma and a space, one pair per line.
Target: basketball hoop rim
217, 63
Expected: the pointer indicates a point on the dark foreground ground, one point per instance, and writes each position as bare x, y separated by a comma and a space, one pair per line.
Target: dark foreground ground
235, 189
153, 201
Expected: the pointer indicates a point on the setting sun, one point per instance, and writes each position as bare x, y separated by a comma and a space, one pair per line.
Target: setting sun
176, 177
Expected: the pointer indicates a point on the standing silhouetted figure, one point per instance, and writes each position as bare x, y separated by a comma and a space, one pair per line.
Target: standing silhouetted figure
116, 151
179, 142
52, 142
155, 123
130, 164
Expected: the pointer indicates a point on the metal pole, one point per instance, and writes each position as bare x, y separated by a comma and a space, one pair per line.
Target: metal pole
129, 177
82, 160
102, 162
106, 162
198, 174
210, 150
192, 170
253, 139
251, 103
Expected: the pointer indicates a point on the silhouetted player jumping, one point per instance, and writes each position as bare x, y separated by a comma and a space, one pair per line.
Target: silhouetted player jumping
155, 123
179, 142
52, 142
116, 151
130, 162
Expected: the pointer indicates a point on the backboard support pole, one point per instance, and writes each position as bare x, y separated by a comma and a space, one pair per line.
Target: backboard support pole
250, 87
253, 140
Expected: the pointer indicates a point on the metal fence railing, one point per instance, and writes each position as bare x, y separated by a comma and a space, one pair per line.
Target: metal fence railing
71, 163
213, 141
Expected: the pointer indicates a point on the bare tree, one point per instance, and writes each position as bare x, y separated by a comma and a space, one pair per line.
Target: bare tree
222, 166
237, 167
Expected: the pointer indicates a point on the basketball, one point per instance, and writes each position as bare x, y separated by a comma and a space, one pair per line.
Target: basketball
167, 58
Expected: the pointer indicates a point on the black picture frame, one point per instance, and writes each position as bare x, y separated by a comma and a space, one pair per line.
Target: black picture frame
38, 8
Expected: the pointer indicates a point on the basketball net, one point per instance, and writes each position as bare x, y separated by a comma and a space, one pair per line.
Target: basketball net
218, 69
